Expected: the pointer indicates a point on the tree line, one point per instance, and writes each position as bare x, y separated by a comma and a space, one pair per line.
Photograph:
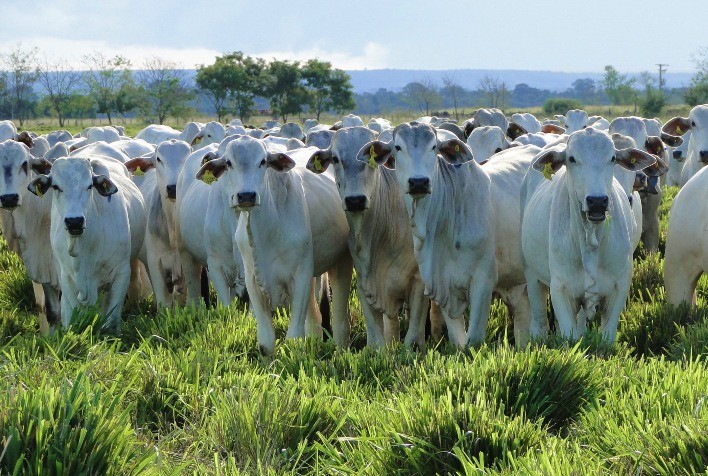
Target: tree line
35, 86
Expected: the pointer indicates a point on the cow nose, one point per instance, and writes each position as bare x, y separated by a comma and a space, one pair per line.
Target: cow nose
418, 185
355, 203
704, 156
75, 225
9, 200
246, 198
677, 154
171, 191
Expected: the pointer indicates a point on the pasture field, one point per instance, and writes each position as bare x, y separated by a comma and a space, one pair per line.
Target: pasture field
185, 391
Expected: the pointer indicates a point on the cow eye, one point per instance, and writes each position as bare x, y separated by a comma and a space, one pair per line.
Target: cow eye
89, 187
263, 162
229, 164
335, 160
498, 150
585, 127
23, 167
398, 147
693, 123
158, 160
433, 147
56, 187
613, 159
571, 159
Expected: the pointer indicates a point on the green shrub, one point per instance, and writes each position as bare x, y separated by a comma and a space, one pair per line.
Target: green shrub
560, 105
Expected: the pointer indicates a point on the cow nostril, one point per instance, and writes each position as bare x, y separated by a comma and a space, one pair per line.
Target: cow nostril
597, 203
246, 197
355, 203
9, 200
677, 154
704, 155
418, 185
171, 191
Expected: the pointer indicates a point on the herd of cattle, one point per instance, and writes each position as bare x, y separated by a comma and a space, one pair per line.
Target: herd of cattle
426, 212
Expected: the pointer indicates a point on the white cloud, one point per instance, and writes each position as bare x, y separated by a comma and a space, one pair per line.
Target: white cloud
374, 56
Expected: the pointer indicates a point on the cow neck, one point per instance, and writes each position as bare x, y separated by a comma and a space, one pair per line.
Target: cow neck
168, 208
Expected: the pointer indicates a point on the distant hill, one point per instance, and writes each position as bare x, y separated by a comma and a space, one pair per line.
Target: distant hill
395, 79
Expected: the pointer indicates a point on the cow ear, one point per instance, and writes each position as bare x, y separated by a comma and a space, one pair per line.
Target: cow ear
454, 151
280, 161
40, 185
657, 169
677, 126
552, 129
377, 152
654, 145
41, 165
319, 161
670, 140
140, 165
514, 130
104, 186
549, 161
634, 159
211, 170
211, 155
469, 127
26, 139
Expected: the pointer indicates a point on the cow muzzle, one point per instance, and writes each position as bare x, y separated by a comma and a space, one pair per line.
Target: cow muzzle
355, 203
678, 155
171, 192
418, 186
703, 156
74, 225
640, 181
652, 186
246, 200
597, 207
10, 201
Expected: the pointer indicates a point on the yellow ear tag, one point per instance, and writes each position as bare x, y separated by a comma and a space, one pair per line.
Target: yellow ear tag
208, 177
138, 172
679, 131
372, 154
457, 148
547, 171
372, 162
38, 191
317, 163
633, 160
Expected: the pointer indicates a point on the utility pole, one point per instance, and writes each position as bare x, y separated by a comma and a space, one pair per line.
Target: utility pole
662, 70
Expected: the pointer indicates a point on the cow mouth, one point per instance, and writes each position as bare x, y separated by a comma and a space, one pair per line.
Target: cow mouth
246, 206
75, 231
418, 192
9, 208
596, 215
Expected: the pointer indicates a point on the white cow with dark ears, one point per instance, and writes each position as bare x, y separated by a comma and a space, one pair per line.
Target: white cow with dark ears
697, 153
291, 230
576, 231
97, 230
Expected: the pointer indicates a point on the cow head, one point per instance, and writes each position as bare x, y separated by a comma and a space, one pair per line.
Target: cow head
485, 141
355, 179
697, 123
590, 157
16, 164
243, 169
575, 120
75, 181
167, 160
413, 153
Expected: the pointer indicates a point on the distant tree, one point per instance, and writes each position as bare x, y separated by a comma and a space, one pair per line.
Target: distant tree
20, 65
585, 90
618, 87
654, 99
105, 78
281, 85
59, 81
453, 89
127, 99
422, 94
697, 92
163, 89
231, 83
80, 106
327, 88
495, 90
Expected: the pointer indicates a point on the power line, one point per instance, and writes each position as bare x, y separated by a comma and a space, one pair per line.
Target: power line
662, 70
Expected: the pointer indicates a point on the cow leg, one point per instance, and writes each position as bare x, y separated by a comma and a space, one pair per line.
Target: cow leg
340, 278
437, 321
650, 216
418, 306
480, 299
517, 302
681, 275
138, 284
116, 297
157, 277
299, 298
39, 299
455, 329
263, 313
392, 328
613, 307
538, 296
68, 299
566, 309
313, 320
52, 305
374, 322
219, 279
191, 272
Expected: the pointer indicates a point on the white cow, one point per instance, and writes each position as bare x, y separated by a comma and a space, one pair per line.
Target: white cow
574, 120
156, 133
291, 130
697, 154
160, 192
493, 117
58, 136
449, 207
576, 231
212, 133
527, 121
378, 124
8, 130
97, 230
320, 139
30, 225
686, 243
290, 231
379, 240
599, 123
133, 148
677, 161
485, 141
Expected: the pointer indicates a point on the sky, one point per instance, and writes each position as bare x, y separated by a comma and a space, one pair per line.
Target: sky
569, 35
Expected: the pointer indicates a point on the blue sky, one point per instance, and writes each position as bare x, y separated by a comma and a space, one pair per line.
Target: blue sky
570, 35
